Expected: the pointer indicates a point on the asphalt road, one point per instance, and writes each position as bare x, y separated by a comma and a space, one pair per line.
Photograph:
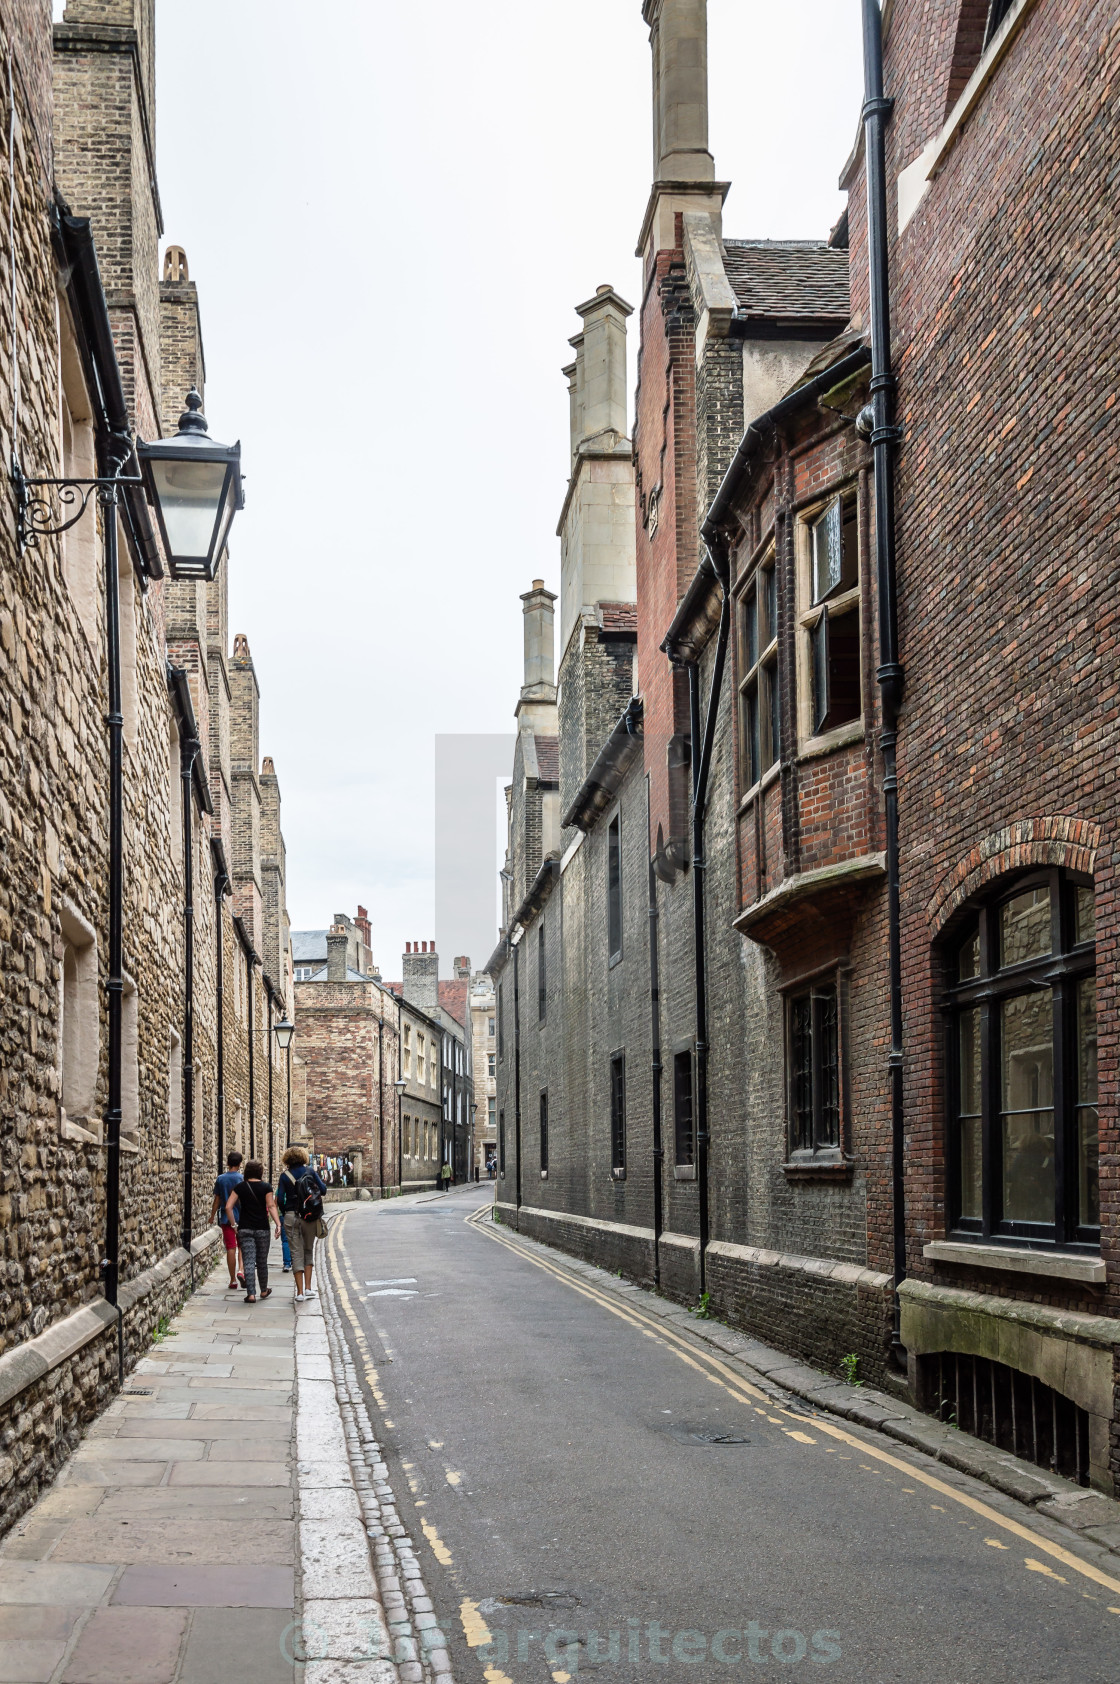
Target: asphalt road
563, 1465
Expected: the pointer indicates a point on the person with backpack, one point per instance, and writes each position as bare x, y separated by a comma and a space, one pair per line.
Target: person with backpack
251, 1207
223, 1187
299, 1195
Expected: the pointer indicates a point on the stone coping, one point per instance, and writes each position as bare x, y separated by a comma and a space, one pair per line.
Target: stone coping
30, 1361
852, 1274
626, 1229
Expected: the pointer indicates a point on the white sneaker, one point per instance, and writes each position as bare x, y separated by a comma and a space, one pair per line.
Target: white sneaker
311, 1293
299, 1298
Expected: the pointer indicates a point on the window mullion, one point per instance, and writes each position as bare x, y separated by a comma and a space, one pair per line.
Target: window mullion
1065, 1223
816, 1066
990, 1156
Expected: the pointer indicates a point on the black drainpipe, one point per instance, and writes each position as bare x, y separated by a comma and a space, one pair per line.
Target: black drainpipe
655, 1065
270, 1129
701, 766
517, 1068
187, 752
878, 423
220, 883
252, 1079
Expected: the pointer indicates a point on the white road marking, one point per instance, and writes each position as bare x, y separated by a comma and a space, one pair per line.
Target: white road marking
394, 1292
397, 1280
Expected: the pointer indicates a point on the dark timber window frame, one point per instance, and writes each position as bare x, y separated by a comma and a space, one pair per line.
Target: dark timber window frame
544, 1134
759, 685
614, 889
684, 1114
542, 973
979, 1006
502, 1144
830, 618
997, 11
618, 1116
816, 1069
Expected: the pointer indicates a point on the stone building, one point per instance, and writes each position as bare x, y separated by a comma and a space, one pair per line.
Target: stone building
484, 1060
100, 347
310, 949
701, 1076
437, 1009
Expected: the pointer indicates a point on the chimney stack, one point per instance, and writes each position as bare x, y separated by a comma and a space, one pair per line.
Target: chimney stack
598, 376
540, 658
683, 168
420, 977
337, 943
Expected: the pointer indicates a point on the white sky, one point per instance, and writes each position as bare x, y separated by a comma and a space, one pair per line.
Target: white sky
390, 211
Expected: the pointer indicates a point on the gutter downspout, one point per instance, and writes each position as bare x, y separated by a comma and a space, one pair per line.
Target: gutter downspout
655, 1062
381, 1104
400, 1111
220, 883
517, 1067
884, 434
188, 751
701, 766
252, 1051
271, 1146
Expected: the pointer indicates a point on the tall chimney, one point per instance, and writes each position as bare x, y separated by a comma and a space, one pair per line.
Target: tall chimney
337, 943
678, 33
420, 977
683, 168
600, 368
540, 658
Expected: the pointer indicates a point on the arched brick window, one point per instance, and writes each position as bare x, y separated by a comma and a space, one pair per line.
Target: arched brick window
1022, 1087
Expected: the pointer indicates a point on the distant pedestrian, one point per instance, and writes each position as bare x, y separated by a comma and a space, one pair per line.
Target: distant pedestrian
445, 1176
300, 1197
256, 1209
223, 1187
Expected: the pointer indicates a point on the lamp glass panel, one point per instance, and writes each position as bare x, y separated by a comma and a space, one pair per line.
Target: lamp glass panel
189, 495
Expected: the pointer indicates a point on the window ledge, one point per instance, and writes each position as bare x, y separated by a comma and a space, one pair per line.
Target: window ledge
829, 741
618, 1175
866, 868
129, 1144
1058, 1265
914, 181
768, 778
684, 1172
544, 1175
74, 1131
824, 1166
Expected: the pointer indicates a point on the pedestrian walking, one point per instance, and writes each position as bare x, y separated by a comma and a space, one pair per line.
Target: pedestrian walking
255, 1204
223, 1187
300, 1197
445, 1176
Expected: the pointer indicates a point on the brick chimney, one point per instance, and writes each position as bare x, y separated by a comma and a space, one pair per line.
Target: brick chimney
361, 923
420, 976
463, 969
337, 943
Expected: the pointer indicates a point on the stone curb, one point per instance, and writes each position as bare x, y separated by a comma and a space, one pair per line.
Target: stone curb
419, 1654
1090, 1514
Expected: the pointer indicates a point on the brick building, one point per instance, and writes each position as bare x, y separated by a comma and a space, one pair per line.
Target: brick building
106, 341
484, 1064
700, 1077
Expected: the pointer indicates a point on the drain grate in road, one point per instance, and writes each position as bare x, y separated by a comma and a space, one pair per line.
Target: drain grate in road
138, 1391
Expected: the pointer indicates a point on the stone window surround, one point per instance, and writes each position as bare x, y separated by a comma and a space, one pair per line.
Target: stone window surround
811, 743
79, 1082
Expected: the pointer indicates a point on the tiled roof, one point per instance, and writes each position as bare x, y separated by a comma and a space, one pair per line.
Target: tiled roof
453, 995
308, 945
618, 618
548, 762
785, 278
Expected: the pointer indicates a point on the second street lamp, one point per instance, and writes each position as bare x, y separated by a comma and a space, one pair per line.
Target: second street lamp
284, 1032
400, 1084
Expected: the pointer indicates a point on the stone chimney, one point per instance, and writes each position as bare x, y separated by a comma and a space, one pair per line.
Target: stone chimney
683, 168
540, 656
338, 941
463, 969
420, 976
598, 376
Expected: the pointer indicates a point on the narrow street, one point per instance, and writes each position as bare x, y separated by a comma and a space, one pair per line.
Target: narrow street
558, 1452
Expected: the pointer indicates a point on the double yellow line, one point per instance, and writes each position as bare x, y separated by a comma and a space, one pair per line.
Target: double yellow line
721, 1375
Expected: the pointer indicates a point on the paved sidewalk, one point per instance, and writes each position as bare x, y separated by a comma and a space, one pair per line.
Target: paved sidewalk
166, 1551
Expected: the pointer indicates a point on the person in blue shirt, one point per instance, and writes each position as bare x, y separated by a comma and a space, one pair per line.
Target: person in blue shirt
223, 1187
291, 1192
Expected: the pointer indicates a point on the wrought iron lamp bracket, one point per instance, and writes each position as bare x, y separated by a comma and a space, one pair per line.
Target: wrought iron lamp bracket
34, 515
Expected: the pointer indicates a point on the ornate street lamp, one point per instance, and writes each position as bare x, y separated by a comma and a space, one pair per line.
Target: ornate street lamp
400, 1084
194, 485
284, 1032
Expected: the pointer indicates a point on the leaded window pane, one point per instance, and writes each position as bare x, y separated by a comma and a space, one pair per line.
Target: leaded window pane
1024, 927
1088, 1189
968, 957
828, 551
1027, 1106
1086, 918
828, 1068
801, 1053
971, 1125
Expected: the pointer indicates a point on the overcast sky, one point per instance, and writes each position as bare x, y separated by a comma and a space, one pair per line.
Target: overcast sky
391, 211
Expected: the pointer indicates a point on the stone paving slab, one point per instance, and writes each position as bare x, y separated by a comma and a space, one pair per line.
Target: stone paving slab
205, 1587
127, 1646
240, 1646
